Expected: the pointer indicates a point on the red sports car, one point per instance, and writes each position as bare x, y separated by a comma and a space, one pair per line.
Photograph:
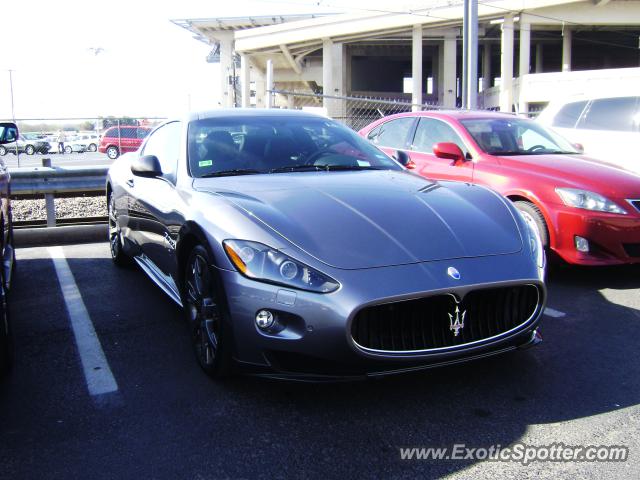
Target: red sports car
587, 212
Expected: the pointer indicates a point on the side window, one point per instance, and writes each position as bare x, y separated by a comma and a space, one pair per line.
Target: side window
569, 114
431, 131
394, 133
164, 143
373, 134
128, 132
611, 114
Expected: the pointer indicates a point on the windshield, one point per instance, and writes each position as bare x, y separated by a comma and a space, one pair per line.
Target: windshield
515, 136
251, 145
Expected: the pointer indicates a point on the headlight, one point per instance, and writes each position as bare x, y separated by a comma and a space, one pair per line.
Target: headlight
259, 262
587, 200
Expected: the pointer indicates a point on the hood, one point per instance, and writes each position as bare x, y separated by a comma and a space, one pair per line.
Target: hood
579, 171
366, 219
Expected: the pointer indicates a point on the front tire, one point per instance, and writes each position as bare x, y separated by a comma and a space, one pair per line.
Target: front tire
30, 150
92, 147
533, 214
113, 152
3, 151
68, 150
202, 297
119, 257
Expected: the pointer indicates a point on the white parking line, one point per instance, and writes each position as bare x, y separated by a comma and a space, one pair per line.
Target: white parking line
97, 373
550, 312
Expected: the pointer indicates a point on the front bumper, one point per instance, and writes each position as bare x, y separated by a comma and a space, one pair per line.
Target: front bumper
317, 344
614, 239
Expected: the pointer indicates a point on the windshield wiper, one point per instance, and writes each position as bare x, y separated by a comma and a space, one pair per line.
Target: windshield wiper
329, 168
228, 173
295, 168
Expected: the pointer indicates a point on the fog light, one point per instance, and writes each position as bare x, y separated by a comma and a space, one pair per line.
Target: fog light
582, 244
264, 319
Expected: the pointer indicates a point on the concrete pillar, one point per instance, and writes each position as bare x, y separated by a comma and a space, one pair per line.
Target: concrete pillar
327, 71
449, 57
245, 81
506, 64
525, 46
416, 68
539, 58
270, 82
259, 78
486, 66
226, 69
566, 49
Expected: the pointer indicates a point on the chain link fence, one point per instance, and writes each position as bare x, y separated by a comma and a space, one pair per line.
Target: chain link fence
99, 139
355, 112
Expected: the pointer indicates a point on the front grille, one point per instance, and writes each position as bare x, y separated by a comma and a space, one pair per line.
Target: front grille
426, 323
635, 203
632, 249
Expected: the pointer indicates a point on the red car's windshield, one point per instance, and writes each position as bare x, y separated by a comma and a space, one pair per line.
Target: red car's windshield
515, 136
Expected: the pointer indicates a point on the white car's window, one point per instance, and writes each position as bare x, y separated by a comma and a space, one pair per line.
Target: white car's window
617, 114
569, 114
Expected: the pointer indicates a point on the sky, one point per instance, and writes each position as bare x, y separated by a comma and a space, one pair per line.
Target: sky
147, 66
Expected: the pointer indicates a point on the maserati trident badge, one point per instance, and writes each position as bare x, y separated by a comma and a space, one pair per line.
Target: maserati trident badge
453, 273
456, 321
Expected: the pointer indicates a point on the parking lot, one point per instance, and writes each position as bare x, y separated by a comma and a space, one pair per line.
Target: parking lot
164, 418
86, 159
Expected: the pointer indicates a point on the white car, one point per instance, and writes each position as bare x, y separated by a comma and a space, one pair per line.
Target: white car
92, 141
607, 126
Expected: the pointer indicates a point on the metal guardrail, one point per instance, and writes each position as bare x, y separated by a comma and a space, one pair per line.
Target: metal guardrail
49, 181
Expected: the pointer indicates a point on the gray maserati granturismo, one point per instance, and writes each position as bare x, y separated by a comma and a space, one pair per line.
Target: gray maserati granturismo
297, 249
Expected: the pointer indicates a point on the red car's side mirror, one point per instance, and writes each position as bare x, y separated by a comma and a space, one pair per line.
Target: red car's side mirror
449, 151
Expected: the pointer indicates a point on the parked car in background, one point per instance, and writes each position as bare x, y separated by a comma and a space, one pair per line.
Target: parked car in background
8, 135
607, 127
34, 143
75, 144
25, 144
91, 140
297, 249
118, 140
586, 211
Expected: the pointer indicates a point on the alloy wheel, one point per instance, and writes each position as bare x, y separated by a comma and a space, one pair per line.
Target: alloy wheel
202, 310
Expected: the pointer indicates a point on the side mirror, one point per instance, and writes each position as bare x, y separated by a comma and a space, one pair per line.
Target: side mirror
579, 147
449, 151
404, 160
146, 166
8, 132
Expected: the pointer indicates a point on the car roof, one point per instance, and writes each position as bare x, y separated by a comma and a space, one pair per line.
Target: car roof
252, 112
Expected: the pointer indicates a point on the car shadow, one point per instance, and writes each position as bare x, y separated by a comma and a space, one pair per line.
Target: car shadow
276, 428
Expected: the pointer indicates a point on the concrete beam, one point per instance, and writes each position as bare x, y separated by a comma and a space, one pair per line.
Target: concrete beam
292, 61
525, 46
245, 81
506, 64
566, 49
416, 67
449, 57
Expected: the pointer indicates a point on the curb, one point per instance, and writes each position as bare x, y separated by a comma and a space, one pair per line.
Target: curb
36, 237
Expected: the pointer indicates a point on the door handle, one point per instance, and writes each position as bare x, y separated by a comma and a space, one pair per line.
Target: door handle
130, 182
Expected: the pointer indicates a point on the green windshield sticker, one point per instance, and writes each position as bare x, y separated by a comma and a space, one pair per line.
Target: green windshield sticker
205, 163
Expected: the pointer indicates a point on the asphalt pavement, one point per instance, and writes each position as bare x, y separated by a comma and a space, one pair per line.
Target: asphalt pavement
163, 418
